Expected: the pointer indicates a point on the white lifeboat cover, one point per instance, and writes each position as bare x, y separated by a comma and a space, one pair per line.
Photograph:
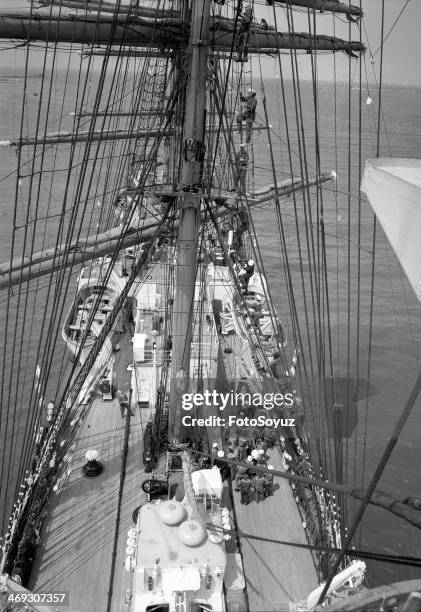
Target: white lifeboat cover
393, 187
207, 482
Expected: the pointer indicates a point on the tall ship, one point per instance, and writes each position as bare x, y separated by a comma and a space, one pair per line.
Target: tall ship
209, 283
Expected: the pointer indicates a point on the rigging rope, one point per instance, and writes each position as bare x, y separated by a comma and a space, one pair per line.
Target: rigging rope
412, 398
299, 340
352, 552
28, 446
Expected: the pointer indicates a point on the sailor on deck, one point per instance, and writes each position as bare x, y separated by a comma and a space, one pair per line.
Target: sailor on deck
232, 457
245, 485
248, 113
241, 473
260, 488
242, 452
261, 457
269, 482
123, 403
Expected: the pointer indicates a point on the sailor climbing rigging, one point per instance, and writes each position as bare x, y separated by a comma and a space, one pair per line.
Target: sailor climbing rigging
241, 161
243, 33
245, 274
248, 113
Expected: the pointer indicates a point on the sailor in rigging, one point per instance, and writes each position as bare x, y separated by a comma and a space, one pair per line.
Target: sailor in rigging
244, 33
242, 227
248, 114
255, 308
241, 162
276, 364
242, 278
248, 273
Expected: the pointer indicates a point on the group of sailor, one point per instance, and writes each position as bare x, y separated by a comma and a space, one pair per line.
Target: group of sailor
254, 485
251, 483
249, 101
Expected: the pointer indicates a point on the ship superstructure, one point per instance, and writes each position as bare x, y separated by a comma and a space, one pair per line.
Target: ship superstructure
189, 571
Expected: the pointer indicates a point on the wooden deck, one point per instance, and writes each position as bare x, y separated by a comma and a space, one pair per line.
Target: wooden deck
275, 574
78, 533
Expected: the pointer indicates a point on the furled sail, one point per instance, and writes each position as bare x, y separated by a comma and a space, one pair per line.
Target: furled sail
25, 24
333, 6
393, 187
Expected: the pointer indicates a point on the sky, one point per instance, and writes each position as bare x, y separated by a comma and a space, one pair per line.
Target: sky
401, 55
401, 63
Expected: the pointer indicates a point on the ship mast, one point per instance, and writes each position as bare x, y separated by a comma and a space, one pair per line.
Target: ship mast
189, 204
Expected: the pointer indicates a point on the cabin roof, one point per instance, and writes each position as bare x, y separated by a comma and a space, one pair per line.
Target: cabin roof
158, 540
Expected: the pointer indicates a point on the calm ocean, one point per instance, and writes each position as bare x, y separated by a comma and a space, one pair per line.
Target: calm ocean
396, 341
